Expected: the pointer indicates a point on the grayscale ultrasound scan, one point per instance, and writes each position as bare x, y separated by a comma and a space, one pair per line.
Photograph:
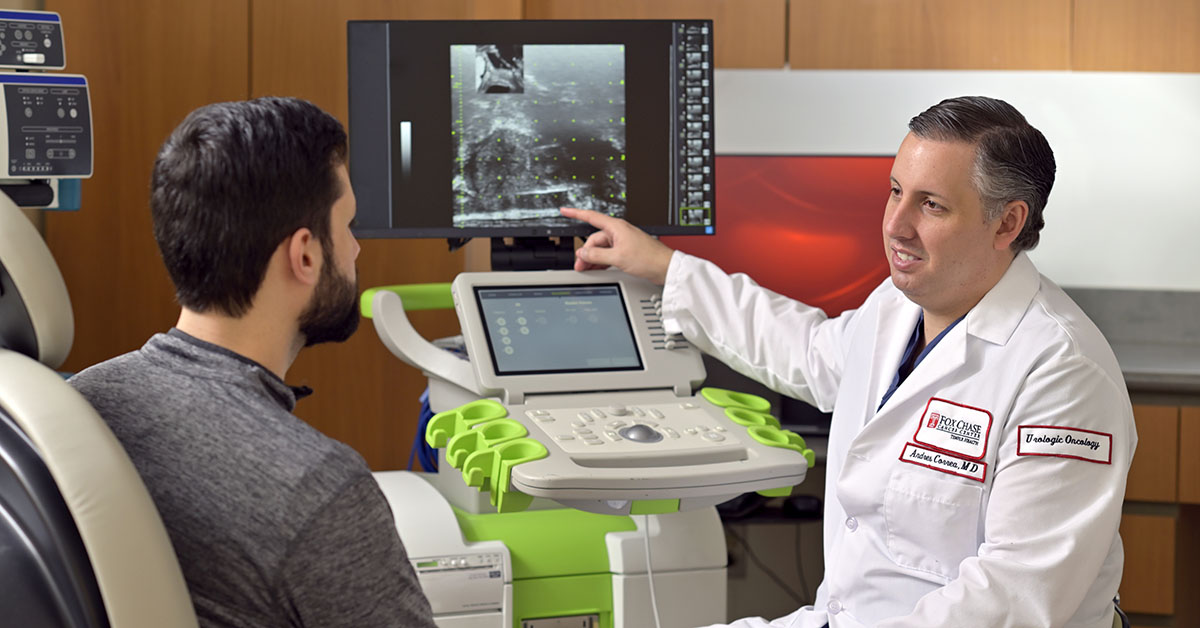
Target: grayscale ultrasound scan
536, 128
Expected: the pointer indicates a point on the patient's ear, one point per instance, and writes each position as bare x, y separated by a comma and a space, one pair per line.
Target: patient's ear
304, 256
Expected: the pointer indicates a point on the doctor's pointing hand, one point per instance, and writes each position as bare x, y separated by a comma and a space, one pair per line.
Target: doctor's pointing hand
981, 430
620, 244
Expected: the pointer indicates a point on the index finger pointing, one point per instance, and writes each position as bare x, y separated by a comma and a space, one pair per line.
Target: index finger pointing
593, 218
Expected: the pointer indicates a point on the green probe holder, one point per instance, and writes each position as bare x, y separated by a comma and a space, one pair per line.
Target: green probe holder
752, 412
485, 445
445, 425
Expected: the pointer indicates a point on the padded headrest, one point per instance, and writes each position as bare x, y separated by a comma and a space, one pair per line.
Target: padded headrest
35, 310
131, 554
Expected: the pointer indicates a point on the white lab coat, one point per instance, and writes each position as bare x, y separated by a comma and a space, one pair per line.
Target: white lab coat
1024, 541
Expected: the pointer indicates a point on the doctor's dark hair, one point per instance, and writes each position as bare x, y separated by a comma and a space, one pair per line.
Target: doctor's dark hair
1013, 160
231, 183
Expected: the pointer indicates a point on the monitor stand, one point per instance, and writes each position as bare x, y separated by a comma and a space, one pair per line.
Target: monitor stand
534, 253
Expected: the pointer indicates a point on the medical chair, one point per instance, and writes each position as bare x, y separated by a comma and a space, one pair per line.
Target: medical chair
81, 543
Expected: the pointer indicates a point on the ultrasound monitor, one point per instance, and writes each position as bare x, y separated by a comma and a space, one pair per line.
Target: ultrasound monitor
486, 128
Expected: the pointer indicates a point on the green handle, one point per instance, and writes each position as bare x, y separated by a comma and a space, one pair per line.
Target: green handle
416, 296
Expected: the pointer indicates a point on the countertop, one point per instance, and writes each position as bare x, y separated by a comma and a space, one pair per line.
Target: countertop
1154, 334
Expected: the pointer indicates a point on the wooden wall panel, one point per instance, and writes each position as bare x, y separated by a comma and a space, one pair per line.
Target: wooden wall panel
930, 34
1152, 477
148, 64
1148, 583
1187, 567
364, 396
1189, 455
746, 33
1137, 35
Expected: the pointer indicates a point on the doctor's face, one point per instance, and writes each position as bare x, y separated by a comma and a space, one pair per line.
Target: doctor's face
940, 248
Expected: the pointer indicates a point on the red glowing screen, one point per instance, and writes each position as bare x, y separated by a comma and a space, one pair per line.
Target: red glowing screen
806, 227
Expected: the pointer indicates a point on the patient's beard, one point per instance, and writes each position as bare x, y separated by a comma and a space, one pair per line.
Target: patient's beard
332, 313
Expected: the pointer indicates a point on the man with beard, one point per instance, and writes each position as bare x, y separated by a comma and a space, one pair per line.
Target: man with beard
273, 523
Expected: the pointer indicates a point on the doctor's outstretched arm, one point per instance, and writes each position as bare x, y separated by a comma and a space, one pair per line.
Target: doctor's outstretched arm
620, 244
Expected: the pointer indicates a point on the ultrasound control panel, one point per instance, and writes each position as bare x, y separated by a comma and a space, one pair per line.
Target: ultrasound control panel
48, 122
680, 430
604, 452
31, 40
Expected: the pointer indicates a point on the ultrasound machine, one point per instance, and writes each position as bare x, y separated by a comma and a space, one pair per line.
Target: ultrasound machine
579, 455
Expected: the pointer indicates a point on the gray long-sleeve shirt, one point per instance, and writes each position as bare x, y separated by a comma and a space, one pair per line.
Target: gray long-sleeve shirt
273, 523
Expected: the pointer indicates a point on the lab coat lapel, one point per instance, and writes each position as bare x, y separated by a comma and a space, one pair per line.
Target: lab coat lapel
997, 315
893, 330
948, 356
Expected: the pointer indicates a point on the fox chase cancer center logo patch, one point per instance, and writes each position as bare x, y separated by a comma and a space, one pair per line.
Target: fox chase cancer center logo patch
954, 428
1064, 442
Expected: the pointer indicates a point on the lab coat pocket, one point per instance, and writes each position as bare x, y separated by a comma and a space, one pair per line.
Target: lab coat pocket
932, 520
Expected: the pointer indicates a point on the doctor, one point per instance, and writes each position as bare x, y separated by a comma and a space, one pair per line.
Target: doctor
981, 428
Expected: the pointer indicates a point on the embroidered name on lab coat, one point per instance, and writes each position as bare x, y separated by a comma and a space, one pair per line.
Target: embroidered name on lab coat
954, 428
1064, 442
946, 463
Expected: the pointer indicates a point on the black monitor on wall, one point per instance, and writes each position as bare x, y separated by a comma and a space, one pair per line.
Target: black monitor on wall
485, 128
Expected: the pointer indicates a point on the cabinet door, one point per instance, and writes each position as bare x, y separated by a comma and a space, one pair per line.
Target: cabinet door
1148, 583
1189, 455
1152, 476
930, 34
746, 33
1136, 35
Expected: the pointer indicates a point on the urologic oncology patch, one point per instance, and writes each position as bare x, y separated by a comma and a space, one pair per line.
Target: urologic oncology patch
1064, 442
954, 428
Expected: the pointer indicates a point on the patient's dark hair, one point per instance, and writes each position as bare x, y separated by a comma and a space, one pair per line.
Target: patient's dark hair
231, 183
1013, 160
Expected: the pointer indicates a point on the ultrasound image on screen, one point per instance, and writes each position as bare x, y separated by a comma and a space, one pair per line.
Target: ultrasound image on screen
536, 128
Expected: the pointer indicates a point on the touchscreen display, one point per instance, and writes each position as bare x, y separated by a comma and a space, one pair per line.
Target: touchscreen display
557, 329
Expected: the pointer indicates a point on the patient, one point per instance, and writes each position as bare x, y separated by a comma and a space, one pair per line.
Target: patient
274, 524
